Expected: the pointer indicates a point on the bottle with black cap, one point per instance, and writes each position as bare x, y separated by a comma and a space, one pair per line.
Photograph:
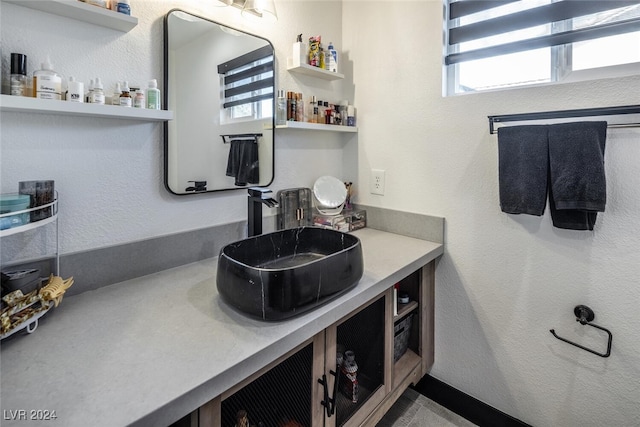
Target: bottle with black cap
18, 74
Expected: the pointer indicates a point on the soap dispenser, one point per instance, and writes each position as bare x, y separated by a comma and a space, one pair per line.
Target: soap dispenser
47, 84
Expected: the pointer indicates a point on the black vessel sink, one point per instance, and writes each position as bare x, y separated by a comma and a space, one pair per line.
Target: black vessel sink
282, 274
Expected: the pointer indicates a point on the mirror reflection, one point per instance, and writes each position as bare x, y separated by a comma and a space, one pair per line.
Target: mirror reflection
219, 82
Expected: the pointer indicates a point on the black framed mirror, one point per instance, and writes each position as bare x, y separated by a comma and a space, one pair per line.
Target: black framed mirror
219, 82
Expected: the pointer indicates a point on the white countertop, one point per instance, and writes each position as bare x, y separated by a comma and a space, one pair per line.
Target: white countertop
150, 350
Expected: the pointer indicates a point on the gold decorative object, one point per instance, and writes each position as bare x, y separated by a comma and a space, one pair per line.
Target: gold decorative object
23, 311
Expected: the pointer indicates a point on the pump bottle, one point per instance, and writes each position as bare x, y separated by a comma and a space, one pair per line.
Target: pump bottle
47, 84
153, 95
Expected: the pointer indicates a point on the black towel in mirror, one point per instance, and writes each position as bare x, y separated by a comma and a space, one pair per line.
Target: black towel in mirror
242, 163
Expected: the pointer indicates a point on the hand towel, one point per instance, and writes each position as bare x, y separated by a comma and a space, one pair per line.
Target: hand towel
577, 175
523, 169
242, 163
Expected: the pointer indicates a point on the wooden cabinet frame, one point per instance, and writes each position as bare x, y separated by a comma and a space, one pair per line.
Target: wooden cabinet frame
409, 369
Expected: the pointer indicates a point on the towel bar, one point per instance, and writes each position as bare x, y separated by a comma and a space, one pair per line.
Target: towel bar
252, 137
585, 315
562, 114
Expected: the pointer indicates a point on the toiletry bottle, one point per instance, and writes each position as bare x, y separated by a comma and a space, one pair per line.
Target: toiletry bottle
87, 95
322, 57
333, 58
47, 84
327, 114
124, 7
99, 3
18, 74
138, 99
349, 380
289, 97
320, 113
294, 106
313, 110
125, 96
115, 98
343, 112
153, 95
314, 51
299, 107
76, 90
300, 54
351, 115
97, 95
281, 109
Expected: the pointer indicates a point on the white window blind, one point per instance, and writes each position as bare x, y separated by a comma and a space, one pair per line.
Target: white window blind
536, 40
248, 78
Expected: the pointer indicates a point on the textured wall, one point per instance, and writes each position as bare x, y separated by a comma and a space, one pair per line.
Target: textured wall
109, 172
504, 281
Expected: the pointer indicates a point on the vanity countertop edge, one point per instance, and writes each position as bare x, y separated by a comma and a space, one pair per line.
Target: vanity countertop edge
152, 349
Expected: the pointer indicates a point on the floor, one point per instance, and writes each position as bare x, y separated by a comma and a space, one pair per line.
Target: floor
414, 410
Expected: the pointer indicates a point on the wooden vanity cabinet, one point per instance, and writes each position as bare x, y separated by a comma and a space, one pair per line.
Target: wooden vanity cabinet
289, 392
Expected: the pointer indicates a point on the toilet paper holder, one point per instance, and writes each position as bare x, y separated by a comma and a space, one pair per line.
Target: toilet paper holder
585, 315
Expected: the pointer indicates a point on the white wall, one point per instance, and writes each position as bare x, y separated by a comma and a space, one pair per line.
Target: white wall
109, 173
504, 281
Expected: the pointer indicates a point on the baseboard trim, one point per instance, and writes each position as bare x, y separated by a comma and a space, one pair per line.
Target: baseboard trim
464, 405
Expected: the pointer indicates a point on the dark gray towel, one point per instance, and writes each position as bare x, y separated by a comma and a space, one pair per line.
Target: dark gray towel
523, 169
242, 163
576, 170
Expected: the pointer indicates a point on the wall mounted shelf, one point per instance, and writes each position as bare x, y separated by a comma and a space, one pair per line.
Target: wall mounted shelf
318, 126
404, 309
81, 11
309, 70
65, 108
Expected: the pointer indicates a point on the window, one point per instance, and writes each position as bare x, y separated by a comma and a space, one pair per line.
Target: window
247, 86
504, 43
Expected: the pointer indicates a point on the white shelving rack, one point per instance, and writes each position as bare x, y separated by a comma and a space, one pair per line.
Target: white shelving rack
295, 66
47, 106
309, 70
37, 224
81, 11
318, 126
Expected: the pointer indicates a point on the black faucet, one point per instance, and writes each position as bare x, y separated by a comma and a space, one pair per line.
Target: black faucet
257, 197
197, 186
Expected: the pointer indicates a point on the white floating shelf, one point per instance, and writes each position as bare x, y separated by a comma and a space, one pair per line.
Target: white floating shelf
81, 11
310, 70
66, 108
318, 126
